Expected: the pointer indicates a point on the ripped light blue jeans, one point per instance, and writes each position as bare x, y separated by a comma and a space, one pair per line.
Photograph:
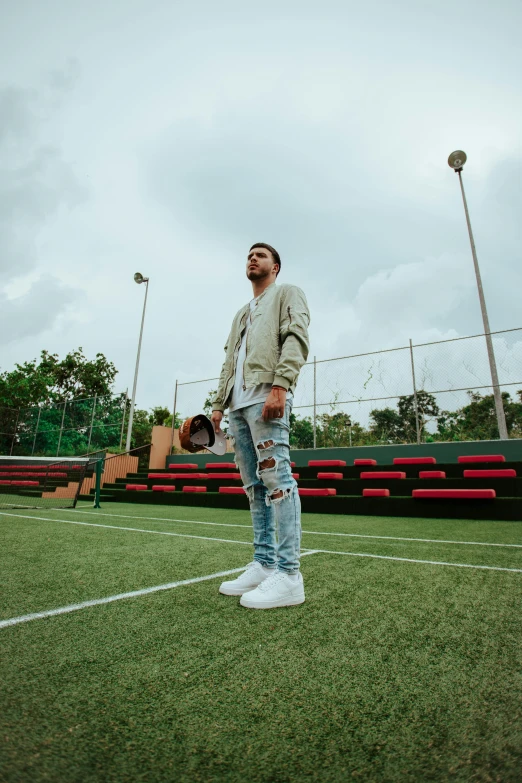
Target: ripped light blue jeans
263, 458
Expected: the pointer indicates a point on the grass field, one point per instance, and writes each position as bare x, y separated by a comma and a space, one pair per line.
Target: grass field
400, 666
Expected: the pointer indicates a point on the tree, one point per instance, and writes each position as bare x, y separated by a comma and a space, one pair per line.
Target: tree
400, 426
427, 408
50, 380
301, 432
159, 416
386, 425
478, 419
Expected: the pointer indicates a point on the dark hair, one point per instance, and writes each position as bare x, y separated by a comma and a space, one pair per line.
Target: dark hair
272, 250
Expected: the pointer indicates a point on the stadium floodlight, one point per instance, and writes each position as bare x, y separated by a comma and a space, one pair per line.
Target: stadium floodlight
456, 161
138, 278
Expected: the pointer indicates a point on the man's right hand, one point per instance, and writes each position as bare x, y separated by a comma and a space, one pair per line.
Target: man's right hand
216, 420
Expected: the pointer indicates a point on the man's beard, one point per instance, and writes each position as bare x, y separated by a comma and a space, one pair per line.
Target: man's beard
256, 274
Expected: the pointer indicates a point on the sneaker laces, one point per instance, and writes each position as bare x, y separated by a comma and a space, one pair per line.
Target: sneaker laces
271, 581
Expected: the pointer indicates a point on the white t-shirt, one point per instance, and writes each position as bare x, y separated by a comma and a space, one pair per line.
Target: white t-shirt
241, 398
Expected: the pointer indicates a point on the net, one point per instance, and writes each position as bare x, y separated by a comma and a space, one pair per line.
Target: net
37, 482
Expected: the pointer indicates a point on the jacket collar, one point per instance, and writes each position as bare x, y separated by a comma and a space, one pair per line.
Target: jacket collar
268, 288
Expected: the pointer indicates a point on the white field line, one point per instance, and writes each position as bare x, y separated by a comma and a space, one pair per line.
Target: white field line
308, 532
411, 560
247, 543
133, 529
139, 530
25, 618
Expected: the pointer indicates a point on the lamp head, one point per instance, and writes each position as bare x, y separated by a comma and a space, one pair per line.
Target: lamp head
138, 278
457, 160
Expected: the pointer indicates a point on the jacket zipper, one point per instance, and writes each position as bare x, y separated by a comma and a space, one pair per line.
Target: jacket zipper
246, 347
235, 349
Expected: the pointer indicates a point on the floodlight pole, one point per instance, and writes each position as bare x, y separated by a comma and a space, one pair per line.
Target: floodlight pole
131, 412
499, 405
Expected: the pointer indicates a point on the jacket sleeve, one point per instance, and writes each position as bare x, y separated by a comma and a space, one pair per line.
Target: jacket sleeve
293, 333
218, 403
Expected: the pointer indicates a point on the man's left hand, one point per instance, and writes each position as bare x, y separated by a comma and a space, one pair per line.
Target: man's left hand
274, 407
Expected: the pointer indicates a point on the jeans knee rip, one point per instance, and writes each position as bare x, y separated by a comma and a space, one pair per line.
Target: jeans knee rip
268, 463
277, 496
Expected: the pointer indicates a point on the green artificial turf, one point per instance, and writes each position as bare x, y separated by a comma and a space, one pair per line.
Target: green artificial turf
391, 671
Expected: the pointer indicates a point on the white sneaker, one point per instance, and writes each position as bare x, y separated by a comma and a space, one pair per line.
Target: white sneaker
254, 574
277, 590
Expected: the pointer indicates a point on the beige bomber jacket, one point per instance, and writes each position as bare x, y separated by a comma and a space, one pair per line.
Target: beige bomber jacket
277, 342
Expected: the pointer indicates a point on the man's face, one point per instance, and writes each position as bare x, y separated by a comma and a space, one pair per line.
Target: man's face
260, 264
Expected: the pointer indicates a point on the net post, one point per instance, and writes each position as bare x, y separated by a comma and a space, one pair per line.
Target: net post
36, 430
123, 417
61, 429
14, 433
92, 421
415, 400
315, 403
98, 473
174, 416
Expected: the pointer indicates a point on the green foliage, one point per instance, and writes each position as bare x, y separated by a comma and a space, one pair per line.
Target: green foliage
474, 421
478, 421
50, 380
301, 432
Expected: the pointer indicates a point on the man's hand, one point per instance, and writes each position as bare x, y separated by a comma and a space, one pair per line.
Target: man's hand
274, 407
216, 420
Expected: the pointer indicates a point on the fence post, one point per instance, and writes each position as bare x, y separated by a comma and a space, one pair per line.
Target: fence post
61, 429
92, 421
14, 433
98, 473
415, 402
123, 417
36, 430
174, 415
315, 402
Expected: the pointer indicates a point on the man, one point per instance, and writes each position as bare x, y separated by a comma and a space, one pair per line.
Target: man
267, 346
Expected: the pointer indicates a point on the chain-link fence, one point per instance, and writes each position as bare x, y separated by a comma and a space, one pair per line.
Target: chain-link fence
65, 428
416, 393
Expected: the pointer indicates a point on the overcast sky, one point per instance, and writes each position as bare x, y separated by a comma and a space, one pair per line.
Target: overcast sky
166, 137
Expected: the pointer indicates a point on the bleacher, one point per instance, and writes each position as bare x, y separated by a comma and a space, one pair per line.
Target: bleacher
476, 487
39, 479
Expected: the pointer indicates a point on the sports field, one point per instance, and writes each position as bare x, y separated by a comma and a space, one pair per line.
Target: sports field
403, 664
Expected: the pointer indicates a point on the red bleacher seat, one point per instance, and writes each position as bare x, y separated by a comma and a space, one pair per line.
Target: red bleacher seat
326, 463
161, 475
376, 493
428, 474
201, 476
335, 476
505, 473
383, 474
4, 481
365, 462
483, 458
231, 490
24, 483
317, 492
194, 489
295, 476
454, 493
183, 466
292, 464
232, 476
163, 488
135, 486
414, 461
220, 466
